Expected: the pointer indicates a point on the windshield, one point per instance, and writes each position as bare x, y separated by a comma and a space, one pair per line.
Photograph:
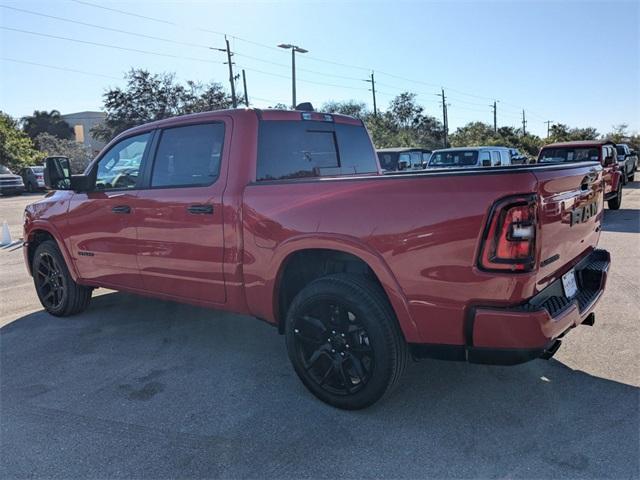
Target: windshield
37, 169
4, 170
569, 154
620, 150
457, 158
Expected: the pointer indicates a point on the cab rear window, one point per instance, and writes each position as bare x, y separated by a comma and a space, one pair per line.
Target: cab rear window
568, 154
307, 149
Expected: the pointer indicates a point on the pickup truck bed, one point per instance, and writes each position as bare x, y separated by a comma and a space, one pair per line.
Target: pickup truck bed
300, 228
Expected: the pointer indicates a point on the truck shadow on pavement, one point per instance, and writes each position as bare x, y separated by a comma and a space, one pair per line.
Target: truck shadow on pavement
625, 220
144, 388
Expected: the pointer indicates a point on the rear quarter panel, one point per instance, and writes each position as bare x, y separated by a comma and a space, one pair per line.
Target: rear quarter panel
420, 234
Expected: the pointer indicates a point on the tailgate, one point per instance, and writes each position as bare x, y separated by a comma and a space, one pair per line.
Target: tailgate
571, 212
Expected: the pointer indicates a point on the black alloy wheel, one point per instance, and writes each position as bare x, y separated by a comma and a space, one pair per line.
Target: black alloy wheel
344, 341
50, 283
333, 346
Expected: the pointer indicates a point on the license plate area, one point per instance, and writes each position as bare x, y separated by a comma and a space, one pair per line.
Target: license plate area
569, 284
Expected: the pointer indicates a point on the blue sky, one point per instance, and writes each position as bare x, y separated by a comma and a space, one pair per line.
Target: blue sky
572, 62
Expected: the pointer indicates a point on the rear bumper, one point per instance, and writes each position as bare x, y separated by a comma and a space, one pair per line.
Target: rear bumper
514, 335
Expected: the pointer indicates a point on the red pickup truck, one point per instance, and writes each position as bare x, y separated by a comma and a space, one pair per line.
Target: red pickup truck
286, 216
601, 151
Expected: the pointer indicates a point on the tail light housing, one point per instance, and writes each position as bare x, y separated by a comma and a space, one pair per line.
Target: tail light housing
509, 238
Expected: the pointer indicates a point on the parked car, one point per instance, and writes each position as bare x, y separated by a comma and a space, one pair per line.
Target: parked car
518, 158
10, 183
601, 151
627, 161
286, 216
470, 157
403, 159
33, 178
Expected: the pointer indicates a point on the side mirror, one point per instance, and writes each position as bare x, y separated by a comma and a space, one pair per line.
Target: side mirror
57, 173
486, 163
57, 176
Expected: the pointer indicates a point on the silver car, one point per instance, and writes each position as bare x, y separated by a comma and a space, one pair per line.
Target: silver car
627, 161
470, 157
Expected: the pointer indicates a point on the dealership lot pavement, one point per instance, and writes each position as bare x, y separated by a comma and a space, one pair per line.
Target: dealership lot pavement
137, 388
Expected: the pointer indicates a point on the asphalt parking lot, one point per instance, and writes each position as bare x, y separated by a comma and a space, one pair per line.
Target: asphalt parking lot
140, 388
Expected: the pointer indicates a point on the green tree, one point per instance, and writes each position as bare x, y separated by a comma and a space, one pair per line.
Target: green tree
148, 97
560, 132
621, 134
405, 124
16, 148
46, 122
476, 134
353, 108
78, 154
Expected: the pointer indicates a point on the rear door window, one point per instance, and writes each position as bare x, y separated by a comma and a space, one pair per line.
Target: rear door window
303, 149
188, 156
495, 157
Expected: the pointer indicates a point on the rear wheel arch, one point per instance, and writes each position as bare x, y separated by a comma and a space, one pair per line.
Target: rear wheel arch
302, 266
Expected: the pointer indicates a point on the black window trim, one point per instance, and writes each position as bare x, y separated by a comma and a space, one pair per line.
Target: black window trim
93, 169
156, 143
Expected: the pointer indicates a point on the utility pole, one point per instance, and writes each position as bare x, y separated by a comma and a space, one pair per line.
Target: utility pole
244, 83
548, 122
495, 116
445, 119
373, 91
524, 124
231, 77
294, 49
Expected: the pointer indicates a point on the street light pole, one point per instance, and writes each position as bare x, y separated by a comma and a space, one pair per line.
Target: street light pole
294, 49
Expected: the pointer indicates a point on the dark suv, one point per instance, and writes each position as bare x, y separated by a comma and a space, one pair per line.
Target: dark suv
33, 178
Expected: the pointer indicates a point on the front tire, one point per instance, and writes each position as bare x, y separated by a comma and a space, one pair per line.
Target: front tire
344, 341
57, 292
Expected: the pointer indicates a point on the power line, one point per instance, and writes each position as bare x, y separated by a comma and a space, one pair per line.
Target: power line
123, 12
105, 45
189, 27
101, 27
55, 67
308, 57
167, 40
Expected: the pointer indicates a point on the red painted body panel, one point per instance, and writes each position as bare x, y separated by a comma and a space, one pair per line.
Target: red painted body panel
611, 174
420, 234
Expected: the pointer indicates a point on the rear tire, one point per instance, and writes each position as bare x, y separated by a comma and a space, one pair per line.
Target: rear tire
57, 292
632, 176
344, 341
615, 202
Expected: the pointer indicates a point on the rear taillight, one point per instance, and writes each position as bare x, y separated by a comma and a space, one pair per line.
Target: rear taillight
509, 240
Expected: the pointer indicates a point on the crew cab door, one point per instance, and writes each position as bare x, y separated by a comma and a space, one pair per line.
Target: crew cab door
179, 217
99, 230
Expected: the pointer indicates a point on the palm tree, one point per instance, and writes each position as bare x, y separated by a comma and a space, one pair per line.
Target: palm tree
46, 122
